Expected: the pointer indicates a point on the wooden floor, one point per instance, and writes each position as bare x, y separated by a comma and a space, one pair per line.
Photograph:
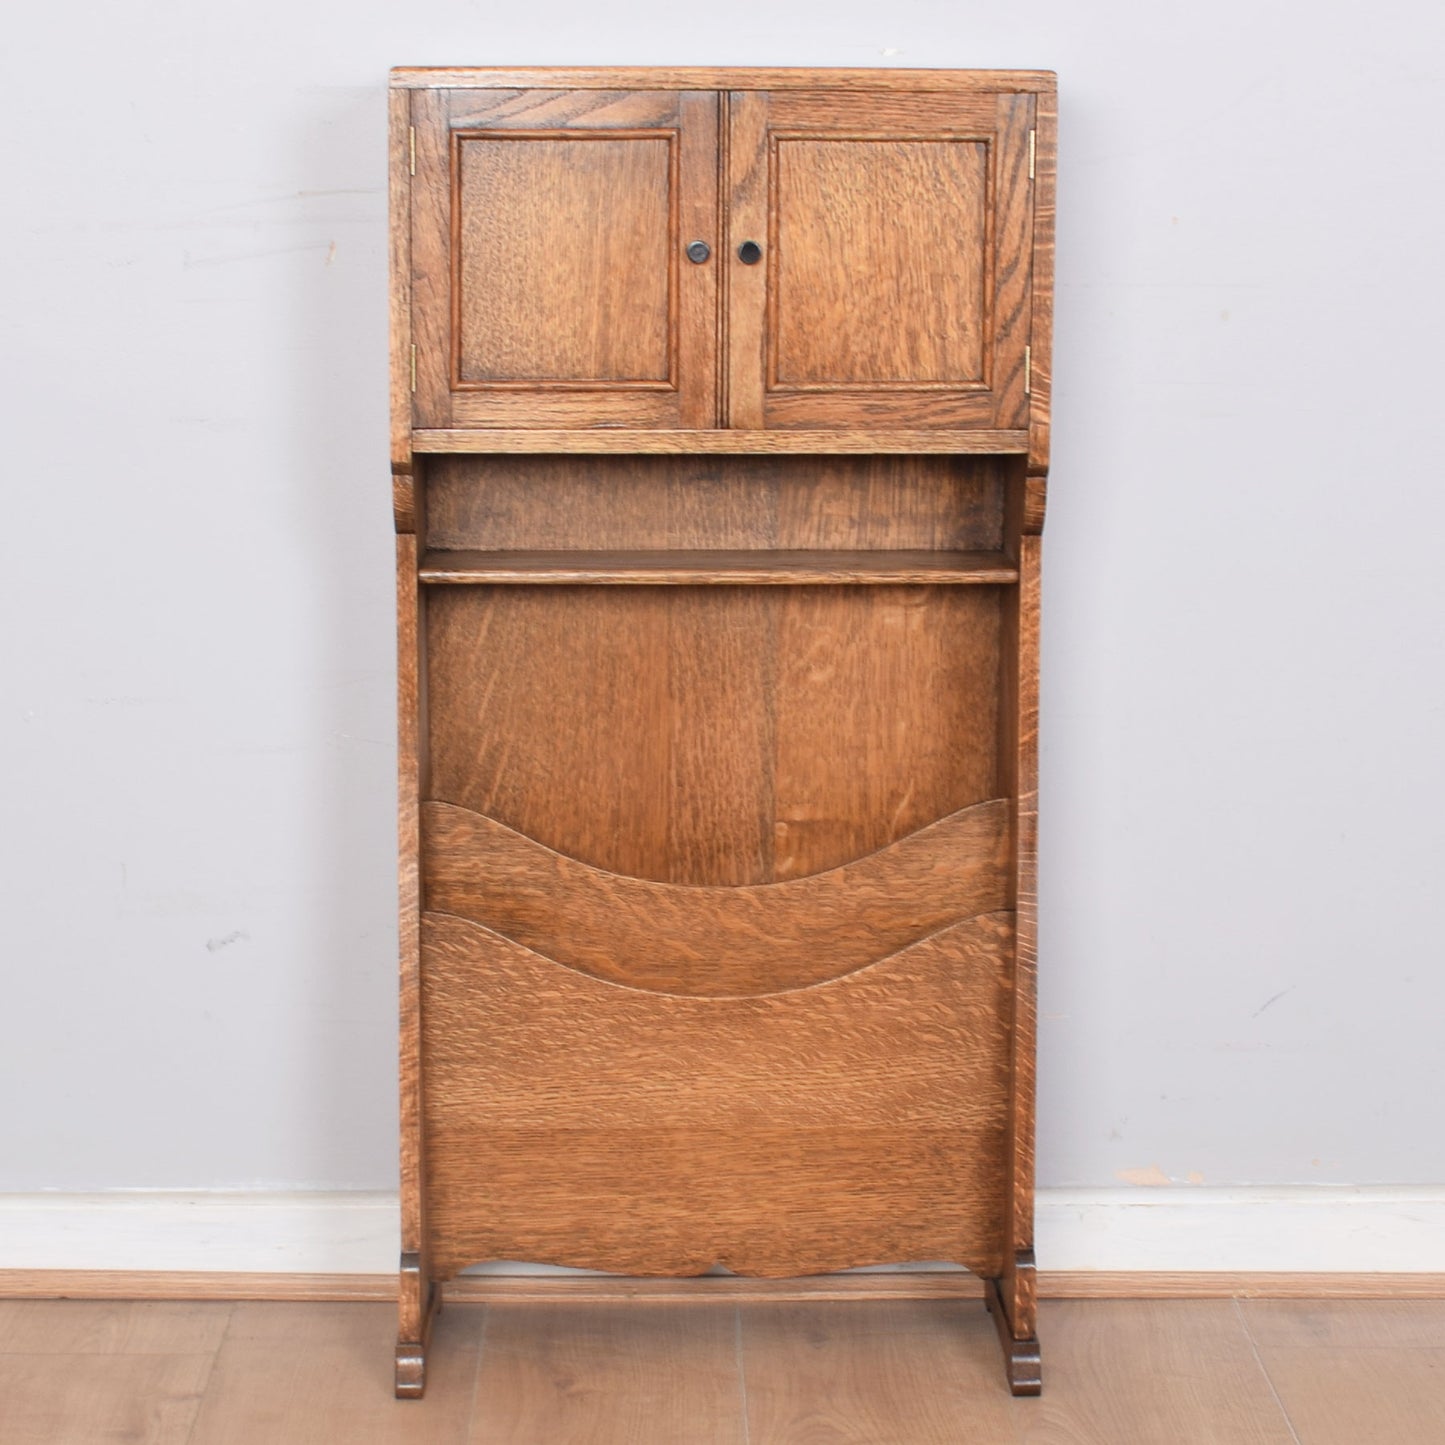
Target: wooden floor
1156, 1372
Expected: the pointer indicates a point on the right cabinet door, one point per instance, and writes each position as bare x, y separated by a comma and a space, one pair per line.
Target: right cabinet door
878, 259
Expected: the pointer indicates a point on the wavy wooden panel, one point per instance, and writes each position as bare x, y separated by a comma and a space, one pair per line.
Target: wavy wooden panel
715, 942
572, 1121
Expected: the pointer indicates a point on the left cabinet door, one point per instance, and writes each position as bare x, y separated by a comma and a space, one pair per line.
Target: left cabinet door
552, 285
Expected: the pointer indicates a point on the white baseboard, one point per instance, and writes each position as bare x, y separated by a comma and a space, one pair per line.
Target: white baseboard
304, 1232
1308, 1229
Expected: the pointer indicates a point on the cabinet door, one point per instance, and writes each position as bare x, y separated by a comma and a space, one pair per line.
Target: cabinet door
889, 283
551, 280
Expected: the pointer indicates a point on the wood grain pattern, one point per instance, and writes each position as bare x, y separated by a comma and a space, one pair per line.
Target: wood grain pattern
885, 717
937, 503
414, 1294
893, 287
1245, 1284
716, 942
905, 1372
737, 439
1153, 1370
429, 281
770, 732
879, 271
66, 1286
721, 569
403, 501
1020, 725
761, 1127
1013, 230
1041, 288
1344, 1397
1350, 1371
105, 1371
603, 1375
712, 1290
110, 1327
551, 233
563, 250
721, 779
1035, 501
1295, 1288
616, 77
902, 1371
399, 294
118, 1399
747, 208
700, 218
287, 1373
174, 1284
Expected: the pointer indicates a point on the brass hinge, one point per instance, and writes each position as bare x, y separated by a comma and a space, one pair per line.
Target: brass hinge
413, 366
1028, 370
1033, 141
411, 144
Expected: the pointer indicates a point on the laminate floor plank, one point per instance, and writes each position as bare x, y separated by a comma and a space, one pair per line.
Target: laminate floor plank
897, 1372
622, 1374
100, 1399
1349, 1372
885, 1372
310, 1374
111, 1327
1345, 1324
1150, 1372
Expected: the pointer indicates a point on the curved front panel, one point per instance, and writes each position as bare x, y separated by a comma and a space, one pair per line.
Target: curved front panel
574, 1121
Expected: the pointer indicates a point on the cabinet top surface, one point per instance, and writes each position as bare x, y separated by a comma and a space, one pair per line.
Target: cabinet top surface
407, 77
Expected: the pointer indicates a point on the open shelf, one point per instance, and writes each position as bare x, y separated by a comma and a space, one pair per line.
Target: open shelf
700, 568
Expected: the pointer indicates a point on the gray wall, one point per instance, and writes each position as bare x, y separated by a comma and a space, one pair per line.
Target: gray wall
1242, 843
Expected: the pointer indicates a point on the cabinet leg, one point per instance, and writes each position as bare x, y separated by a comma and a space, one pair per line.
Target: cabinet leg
410, 1370
1023, 1365
418, 1301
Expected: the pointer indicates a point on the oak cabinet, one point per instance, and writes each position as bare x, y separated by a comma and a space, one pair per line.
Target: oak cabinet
871, 252
719, 442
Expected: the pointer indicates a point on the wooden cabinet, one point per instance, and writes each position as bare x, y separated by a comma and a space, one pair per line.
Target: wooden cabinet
719, 440
887, 280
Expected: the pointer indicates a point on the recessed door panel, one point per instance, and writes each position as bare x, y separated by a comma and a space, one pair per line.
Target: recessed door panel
888, 280
552, 282
886, 288
514, 261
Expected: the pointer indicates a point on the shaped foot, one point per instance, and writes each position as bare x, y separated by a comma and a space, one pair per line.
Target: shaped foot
410, 1370
1022, 1362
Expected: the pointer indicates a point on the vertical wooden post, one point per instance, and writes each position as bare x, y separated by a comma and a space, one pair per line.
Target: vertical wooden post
1013, 1298
417, 1297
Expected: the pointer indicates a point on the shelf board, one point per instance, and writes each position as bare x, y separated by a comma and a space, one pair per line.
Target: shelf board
483, 440
701, 569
